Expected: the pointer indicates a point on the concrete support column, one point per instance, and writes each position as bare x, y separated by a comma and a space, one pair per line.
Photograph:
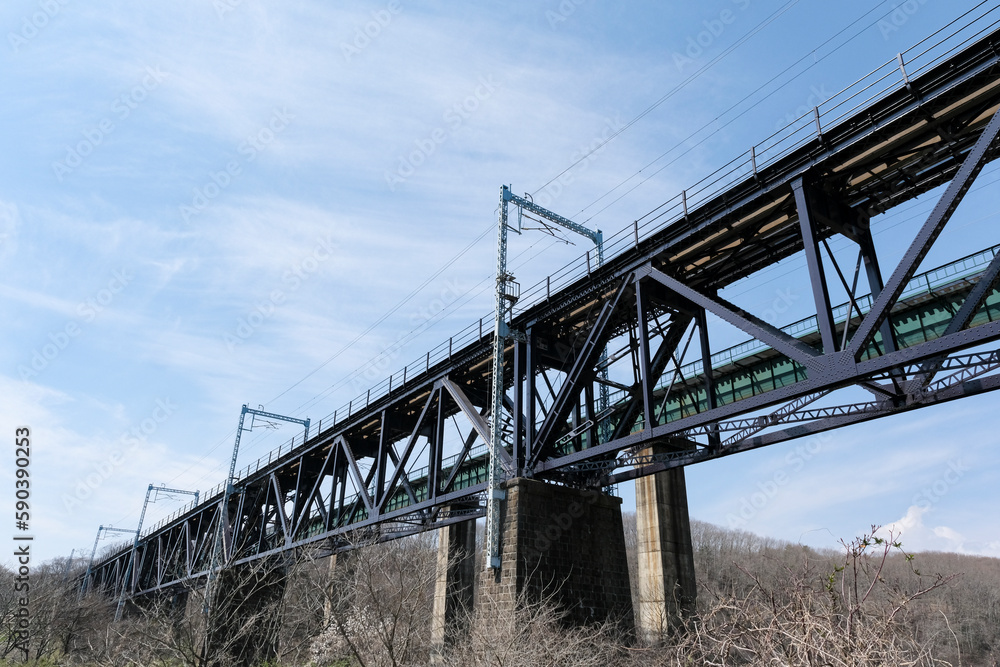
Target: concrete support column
328, 601
455, 584
666, 586
244, 621
565, 544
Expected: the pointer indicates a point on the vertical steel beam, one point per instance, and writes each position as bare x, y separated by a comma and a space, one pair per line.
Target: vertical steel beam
530, 364
342, 485
876, 285
645, 370
678, 325
435, 446
706, 365
382, 460
517, 451
588, 393
927, 235
817, 276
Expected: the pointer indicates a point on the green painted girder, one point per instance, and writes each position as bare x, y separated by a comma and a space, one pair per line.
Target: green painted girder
922, 314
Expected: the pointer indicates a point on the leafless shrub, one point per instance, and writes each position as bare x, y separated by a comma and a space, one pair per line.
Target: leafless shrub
378, 605
531, 633
851, 617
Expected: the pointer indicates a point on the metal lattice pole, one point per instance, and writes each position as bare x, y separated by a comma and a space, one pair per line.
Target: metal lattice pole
221, 549
132, 569
525, 204
500, 332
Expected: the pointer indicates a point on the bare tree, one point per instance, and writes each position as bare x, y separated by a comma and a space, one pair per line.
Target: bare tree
379, 604
851, 616
532, 632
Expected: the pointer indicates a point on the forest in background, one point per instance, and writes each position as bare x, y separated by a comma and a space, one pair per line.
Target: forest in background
760, 601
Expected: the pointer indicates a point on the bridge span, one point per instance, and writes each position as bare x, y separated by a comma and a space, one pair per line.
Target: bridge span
410, 455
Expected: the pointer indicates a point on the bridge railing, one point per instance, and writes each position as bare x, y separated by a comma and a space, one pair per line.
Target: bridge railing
874, 86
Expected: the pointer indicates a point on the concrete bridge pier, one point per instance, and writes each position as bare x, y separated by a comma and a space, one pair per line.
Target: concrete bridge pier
454, 587
666, 586
245, 617
565, 545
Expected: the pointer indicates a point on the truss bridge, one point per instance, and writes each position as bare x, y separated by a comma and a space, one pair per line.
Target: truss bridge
411, 454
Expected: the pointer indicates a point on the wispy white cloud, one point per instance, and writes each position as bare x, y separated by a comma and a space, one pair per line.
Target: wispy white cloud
915, 535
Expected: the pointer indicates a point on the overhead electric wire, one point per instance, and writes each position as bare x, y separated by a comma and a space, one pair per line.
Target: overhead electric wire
469, 295
676, 89
816, 61
388, 314
774, 16
763, 24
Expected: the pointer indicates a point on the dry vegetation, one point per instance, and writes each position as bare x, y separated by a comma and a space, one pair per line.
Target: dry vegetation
761, 602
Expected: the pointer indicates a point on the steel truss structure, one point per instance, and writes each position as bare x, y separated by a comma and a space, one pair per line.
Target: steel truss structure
415, 459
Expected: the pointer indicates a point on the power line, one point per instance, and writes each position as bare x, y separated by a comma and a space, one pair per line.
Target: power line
676, 89
773, 17
816, 61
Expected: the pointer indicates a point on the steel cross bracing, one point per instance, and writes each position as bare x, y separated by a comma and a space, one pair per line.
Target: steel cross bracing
129, 584
222, 550
413, 459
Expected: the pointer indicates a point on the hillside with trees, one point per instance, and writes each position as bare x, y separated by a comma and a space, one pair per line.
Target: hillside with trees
760, 602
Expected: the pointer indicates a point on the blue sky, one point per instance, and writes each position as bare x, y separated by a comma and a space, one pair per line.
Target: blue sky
211, 203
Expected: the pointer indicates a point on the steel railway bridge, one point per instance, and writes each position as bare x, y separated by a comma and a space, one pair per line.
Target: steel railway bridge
410, 455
